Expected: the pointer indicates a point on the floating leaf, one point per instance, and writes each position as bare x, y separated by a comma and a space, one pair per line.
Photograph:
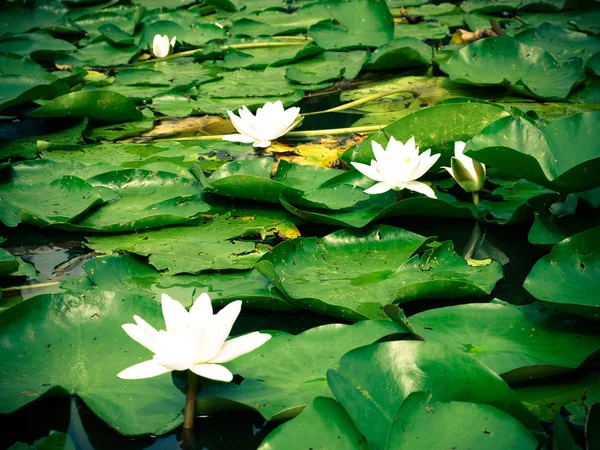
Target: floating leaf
518, 343
504, 61
286, 373
362, 23
95, 105
365, 377
399, 53
47, 332
560, 155
568, 277
353, 274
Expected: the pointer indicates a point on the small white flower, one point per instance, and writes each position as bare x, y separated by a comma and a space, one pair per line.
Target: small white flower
218, 24
161, 46
271, 121
397, 167
567, 208
194, 340
467, 172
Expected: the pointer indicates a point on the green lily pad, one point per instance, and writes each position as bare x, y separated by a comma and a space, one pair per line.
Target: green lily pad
104, 106
436, 127
144, 199
568, 278
26, 44
129, 275
518, 343
17, 89
562, 44
29, 147
327, 66
462, 424
287, 372
54, 441
259, 58
221, 243
546, 397
505, 61
59, 201
104, 53
548, 229
47, 333
514, 207
422, 31
560, 155
365, 377
399, 53
352, 274
359, 23
250, 83
322, 424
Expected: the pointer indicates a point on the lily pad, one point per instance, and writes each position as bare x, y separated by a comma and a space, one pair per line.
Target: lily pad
287, 372
144, 199
362, 23
47, 332
503, 60
399, 53
365, 377
323, 424
259, 58
327, 66
518, 343
462, 424
129, 275
562, 44
95, 105
353, 274
17, 89
221, 243
568, 278
559, 155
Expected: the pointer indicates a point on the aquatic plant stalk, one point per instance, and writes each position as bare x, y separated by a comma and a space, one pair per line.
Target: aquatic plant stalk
189, 411
360, 101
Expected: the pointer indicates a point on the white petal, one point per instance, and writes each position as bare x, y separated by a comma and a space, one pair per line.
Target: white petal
238, 138
368, 171
225, 318
379, 188
426, 162
421, 188
459, 148
261, 144
173, 363
138, 335
378, 151
202, 309
160, 46
240, 346
245, 114
289, 116
146, 369
173, 41
174, 313
212, 371
146, 327
449, 169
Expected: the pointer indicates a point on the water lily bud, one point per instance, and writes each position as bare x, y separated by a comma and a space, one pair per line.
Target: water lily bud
161, 46
467, 172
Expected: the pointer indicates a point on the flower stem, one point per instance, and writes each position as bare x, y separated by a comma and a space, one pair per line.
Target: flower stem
358, 102
477, 237
29, 286
189, 412
306, 133
475, 198
400, 195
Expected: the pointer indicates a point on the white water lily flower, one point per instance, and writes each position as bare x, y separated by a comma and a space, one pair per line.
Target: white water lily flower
271, 121
161, 46
467, 172
398, 167
565, 208
194, 340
